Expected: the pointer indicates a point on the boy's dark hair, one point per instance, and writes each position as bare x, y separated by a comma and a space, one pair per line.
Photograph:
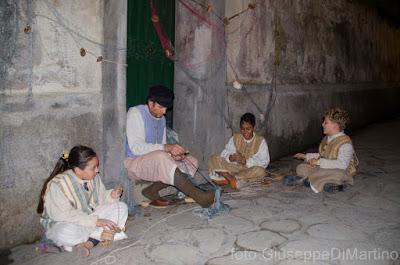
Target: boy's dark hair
79, 156
249, 118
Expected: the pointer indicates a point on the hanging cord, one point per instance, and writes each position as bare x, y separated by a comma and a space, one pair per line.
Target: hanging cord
209, 8
60, 21
250, 6
180, 59
196, 167
199, 172
164, 41
192, 10
273, 95
218, 207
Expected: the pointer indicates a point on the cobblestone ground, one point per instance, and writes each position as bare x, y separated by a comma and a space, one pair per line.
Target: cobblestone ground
275, 225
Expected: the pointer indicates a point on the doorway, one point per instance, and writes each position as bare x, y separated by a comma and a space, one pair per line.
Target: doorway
147, 64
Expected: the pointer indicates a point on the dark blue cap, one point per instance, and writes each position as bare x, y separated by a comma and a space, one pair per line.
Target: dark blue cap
162, 95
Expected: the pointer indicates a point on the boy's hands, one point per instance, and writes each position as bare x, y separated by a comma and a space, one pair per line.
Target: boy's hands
237, 157
117, 192
242, 160
234, 157
313, 162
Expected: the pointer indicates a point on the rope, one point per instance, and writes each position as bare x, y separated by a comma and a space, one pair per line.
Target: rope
198, 171
60, 21
218, 207
164, 41
113, 258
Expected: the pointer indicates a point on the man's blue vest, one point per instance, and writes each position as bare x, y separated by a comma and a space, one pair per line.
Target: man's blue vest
153, 129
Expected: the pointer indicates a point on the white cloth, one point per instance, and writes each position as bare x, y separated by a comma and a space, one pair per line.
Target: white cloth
68, 234
345, 155
261, 158
72, 226
159, 166
135, 133
59, 208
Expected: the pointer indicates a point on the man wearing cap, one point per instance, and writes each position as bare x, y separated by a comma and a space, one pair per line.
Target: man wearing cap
150, 158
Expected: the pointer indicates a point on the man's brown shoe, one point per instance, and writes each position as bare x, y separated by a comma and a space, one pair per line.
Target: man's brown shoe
161, 203
151, 192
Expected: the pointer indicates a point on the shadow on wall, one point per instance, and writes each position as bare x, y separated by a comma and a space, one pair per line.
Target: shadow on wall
387, 9
5, 257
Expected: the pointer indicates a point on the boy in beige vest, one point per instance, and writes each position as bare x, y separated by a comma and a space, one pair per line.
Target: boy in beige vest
244, 158
336, 163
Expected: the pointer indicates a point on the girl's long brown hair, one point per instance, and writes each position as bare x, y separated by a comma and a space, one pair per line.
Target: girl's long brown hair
79, 156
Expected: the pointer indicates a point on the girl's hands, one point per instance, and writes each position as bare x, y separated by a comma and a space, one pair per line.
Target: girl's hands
106, 223
117, 192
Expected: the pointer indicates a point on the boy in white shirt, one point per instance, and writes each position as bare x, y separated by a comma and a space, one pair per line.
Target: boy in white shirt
244, 158
336, 163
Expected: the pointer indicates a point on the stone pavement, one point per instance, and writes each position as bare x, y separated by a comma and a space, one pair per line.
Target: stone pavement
275, 225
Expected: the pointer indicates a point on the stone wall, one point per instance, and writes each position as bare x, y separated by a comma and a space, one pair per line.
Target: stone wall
308, 42
295, 59
199, 80
52, 98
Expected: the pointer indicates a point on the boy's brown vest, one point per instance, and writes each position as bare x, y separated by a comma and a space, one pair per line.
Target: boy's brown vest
330, 151
247, 149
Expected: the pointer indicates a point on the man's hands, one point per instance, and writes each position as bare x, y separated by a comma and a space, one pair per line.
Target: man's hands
237, 157
178, 158
177, 152
174, 149
117, 192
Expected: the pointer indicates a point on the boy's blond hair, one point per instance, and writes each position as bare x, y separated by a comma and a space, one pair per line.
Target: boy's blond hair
339, 116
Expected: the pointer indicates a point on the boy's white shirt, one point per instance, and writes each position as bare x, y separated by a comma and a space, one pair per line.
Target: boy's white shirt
345, 154
261, 158
135, 134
